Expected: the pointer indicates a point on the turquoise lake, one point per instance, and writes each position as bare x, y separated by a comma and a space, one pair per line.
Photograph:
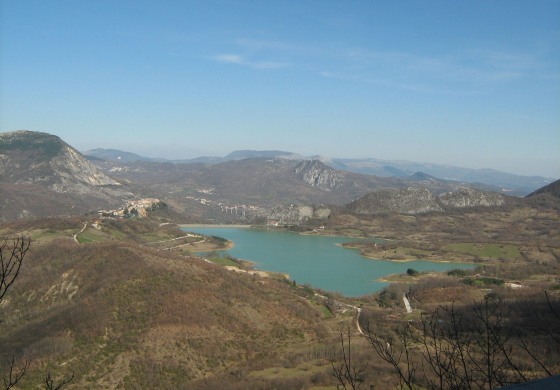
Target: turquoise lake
316, 260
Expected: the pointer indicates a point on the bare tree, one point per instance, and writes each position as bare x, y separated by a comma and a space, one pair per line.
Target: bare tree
348, 375
451, 349
14, 374
50, 384
12, 254
398, 353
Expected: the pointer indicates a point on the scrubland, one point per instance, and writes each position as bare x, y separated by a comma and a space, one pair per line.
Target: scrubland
128, 306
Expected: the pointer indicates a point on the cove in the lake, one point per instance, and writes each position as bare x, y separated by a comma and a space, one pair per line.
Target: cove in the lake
316, 260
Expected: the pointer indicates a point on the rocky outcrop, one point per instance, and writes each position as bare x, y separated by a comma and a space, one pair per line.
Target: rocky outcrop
469, 197
33, 157
317, 174
418, 200
295, 214
41, 175
412, 200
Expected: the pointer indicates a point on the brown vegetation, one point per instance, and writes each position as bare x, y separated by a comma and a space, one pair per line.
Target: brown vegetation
113, 313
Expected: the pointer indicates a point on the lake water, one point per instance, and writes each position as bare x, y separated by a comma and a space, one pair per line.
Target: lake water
316, 260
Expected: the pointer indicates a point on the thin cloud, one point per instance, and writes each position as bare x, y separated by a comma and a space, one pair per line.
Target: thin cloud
240, 60
464, 71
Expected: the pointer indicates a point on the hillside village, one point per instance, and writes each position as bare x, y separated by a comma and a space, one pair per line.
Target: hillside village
135, 208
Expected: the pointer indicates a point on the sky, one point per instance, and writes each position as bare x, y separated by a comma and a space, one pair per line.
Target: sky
466, 83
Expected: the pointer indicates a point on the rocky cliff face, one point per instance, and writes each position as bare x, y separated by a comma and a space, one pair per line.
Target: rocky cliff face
295, 214
32, 157
412, 200
52, 177
417, 200
469, 197
317, 174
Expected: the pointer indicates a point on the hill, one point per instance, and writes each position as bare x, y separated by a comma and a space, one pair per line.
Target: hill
41, 175
551, 189
254, 188
490, 179
121, 313
122, 310
418, 200
495, 180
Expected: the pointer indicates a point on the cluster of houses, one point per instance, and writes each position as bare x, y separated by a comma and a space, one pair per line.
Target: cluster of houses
239, 210
134, 208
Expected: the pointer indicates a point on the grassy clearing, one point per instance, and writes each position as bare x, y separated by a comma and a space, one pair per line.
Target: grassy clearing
92, 235
326, 312
156, 236
224, 261
394, 253
47, 235
117, 234
494, 251
84, 239
306, 369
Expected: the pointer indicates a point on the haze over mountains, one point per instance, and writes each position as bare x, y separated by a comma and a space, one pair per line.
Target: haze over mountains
120, 301
41, 175
496, 180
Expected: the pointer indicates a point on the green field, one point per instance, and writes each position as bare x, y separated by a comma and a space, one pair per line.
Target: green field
86, 238
224, 261
494, 251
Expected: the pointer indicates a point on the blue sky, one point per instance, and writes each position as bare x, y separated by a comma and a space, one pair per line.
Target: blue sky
470, 83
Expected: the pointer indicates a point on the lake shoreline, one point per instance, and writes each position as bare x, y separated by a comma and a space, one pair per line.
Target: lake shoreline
210, 225
318, 260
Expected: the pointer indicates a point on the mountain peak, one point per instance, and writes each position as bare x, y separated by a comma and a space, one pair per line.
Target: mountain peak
56, 174
30, 156
317, 174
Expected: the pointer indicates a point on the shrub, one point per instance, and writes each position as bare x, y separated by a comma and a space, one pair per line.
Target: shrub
411, 272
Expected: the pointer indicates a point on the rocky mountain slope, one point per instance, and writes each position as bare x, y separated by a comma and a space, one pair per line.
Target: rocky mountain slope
491, 179
418, 200
51, 176
271, 188
42, 175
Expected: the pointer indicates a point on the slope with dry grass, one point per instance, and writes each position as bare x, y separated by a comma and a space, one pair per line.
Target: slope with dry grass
118, 313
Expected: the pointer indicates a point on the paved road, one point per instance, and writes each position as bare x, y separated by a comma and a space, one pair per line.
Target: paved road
407, 304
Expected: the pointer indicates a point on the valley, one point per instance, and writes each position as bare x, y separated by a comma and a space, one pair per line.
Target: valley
114, 294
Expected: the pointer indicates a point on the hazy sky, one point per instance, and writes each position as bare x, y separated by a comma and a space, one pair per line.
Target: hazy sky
466, 83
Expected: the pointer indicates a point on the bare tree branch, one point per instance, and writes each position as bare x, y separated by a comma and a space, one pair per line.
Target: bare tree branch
12, 253
14, 375
50, 384
347, 374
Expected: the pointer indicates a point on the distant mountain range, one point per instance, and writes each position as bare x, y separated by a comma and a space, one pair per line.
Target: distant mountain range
291, 191
489, 179
41, 175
